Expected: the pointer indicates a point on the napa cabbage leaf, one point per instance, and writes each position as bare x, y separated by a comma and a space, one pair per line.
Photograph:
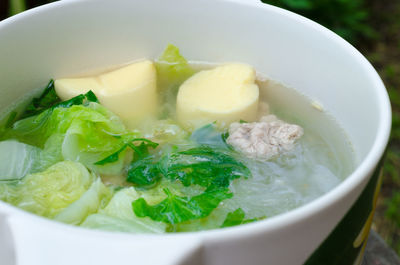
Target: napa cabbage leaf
165, 131
85, 132
49, 192
37, 129
108, 223
172, 68
90, 202
18, 159
8, 190
118, 216
105, 222
172, 71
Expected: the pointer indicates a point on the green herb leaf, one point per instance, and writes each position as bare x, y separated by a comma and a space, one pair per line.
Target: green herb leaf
175, 209
11, 119
144, 172
237, 218
140, 150
91, 97
82, 99
112, 158
46, 100
49, 100
204, 166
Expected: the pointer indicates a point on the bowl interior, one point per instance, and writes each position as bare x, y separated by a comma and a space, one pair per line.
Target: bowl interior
68, 39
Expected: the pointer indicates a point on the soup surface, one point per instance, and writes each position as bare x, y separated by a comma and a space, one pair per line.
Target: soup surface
169, 146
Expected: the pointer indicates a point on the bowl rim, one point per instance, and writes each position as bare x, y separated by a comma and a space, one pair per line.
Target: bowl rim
355, 179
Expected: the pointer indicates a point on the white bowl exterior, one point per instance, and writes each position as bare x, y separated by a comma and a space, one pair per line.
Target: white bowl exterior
71, 37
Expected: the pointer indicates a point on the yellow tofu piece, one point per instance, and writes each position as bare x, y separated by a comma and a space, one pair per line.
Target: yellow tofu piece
225, 94
130, 92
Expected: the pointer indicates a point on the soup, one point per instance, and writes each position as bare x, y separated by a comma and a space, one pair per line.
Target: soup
169, 146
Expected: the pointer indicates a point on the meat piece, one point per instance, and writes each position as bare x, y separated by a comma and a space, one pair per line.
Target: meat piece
264, 139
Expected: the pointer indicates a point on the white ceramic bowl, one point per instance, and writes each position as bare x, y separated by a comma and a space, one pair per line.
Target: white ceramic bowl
69, 37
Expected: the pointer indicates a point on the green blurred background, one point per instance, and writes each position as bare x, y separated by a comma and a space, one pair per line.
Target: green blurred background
373, 27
